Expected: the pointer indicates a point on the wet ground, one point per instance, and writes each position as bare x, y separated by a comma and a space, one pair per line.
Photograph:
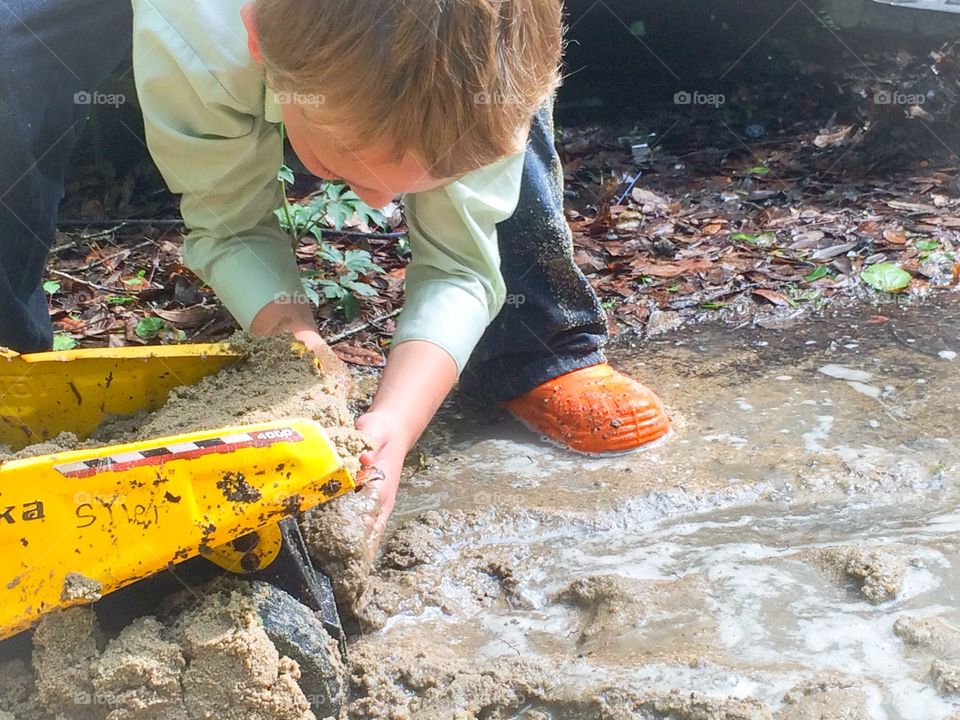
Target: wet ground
790, 552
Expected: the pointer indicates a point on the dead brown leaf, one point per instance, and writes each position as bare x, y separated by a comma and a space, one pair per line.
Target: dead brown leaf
186, 318
355, 355
772, 296
669, 270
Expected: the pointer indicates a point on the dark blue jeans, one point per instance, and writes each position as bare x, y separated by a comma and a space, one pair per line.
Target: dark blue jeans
52, 52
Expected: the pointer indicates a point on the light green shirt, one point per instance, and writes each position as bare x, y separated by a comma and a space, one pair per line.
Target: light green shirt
211, 126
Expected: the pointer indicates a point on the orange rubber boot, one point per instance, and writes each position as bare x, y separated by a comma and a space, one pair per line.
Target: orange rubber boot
595, 411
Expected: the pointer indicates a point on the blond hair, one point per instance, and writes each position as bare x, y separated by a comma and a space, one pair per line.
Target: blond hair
454, 83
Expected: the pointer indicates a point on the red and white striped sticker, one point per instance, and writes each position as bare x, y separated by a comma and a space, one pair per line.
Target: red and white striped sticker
118, 462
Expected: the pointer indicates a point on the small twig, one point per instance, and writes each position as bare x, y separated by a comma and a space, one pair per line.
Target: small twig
168, 222
119, 222
91, 236
339, 337
100, 261
82, 282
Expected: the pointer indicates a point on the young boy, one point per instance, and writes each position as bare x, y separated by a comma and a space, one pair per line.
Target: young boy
443, 102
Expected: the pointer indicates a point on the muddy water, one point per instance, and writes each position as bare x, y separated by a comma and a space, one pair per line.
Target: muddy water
791, 552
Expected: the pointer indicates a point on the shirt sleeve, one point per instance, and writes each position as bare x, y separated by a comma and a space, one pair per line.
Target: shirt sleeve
454, 286
223, 159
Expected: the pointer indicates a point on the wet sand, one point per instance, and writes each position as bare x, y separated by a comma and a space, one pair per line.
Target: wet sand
788, 554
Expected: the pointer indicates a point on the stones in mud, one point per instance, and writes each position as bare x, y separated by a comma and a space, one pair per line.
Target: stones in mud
414, 543
935, 633
939, 637
611, 606
627, 620
946, 677
682, 705
877, 573
837, 700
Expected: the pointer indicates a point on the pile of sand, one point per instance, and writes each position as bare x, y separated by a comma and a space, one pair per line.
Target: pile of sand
213, 659
207, 657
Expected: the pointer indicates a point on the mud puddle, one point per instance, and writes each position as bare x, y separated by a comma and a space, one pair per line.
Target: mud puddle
790, 553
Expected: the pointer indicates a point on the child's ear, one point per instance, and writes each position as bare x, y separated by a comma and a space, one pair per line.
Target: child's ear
247, 14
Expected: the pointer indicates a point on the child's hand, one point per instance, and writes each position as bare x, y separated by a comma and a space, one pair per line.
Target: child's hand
418, 376
387, 455
277, 318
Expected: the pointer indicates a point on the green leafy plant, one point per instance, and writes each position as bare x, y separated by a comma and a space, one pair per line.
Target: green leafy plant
346, 284
342, 276
328, 208
932, 252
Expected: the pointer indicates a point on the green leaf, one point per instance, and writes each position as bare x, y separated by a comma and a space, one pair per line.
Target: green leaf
311, 293
285, 175
753, 239
713, 305
361, 288
349, 306
886, 277
331, 290
63, 342
927, 245
51, 287
330, 254
148, 327
137, 280
818, 272
338, 214
759, 170
120, 300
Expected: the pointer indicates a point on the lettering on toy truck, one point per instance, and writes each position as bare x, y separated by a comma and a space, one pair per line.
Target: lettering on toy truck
12, 514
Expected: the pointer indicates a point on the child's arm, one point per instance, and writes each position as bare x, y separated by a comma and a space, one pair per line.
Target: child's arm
418, 376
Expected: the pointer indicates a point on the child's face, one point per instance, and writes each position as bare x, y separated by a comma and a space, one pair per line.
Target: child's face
371, 173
